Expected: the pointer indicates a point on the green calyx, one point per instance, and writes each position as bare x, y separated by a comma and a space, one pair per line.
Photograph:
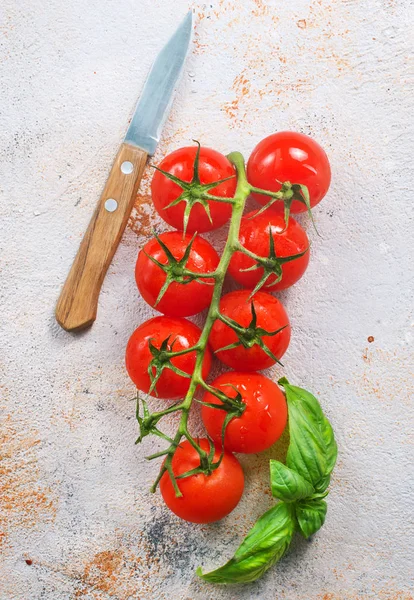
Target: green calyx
162, 360
147, 423
234, 405
271, 264
207, 464
287, 194
176, 270
251, 335
194, 192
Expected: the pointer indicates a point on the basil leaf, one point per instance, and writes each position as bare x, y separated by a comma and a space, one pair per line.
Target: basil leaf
264, 545
312, 450
288, 485
311, 516
323, 484
301, 485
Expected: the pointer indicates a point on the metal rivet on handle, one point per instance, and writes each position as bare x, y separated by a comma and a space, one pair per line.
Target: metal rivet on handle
127, 167
111, 205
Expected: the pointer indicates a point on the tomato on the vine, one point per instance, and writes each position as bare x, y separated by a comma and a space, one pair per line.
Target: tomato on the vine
265, 336
183, 297
145, 346
264, 417
205, 498
255, 231
212, 167
293, 157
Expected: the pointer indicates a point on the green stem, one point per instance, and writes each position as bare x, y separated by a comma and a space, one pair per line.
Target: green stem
248, 252
242, 192
211, 275
278, 195
222, 199
156, 415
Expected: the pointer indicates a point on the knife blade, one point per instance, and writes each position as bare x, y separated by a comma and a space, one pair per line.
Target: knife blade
78, 302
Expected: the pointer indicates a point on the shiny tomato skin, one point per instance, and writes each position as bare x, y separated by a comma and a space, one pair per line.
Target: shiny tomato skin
271, 316
254, 235
289, 156
180, 300
138, 355
206, 498
263, 420
213, 166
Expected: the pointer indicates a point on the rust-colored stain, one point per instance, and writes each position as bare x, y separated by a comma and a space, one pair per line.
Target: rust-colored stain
101, 573
118, 573
241, 87
261, 8
325, 21
142, 217
269, 81
387, 384
371, 339
341, 63
24, 502
199, 47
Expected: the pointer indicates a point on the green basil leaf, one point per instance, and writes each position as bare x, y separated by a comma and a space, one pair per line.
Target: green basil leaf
323, 484
264, 545
287, 484
306, 453
311, 516
312, 450
319, 495
301, 485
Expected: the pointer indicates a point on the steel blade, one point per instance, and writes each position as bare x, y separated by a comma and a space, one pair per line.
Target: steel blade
153, 106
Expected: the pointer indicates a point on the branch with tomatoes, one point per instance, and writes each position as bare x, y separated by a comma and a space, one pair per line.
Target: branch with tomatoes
179, 273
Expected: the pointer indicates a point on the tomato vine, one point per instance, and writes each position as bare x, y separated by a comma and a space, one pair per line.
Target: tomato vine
192, 193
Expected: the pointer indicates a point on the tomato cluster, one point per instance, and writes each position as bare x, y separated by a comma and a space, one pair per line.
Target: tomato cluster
177, 274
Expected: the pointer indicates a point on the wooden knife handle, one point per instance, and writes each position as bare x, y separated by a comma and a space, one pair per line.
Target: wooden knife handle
78, 301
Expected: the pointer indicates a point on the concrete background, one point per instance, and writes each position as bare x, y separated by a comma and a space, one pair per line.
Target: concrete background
74, 488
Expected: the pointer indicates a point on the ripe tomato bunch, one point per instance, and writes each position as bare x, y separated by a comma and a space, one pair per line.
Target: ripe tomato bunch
180, 274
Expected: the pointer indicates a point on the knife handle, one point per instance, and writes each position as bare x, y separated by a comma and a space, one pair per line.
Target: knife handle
78, 301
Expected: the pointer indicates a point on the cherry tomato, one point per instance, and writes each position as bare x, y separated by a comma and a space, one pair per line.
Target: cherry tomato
270, 315
206, 498
289, 156
180, 299
254, 235
213, 166
182, 334
263, 420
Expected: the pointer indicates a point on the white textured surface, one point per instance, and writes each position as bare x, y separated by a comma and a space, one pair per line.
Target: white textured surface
75, 499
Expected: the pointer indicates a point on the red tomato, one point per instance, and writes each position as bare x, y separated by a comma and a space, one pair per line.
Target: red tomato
180, 299
270, 316
289, 156
254, 235
263, 420
213, 166
206, 498
182, 334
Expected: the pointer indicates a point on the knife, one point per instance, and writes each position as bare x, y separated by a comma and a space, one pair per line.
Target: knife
78, 301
